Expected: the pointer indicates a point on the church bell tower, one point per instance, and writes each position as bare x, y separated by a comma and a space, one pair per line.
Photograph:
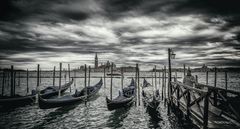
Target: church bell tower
96, 61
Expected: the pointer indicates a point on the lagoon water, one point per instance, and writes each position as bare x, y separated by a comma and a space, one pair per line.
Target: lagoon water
95, 114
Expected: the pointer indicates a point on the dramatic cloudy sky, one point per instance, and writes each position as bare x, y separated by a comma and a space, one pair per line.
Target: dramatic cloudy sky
122, 31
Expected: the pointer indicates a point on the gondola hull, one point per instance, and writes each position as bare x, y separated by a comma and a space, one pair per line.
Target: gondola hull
67, 100
112, 105
17, 101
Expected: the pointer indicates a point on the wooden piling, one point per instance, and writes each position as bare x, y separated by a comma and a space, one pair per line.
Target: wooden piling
89, 75
111, 81
215, 85
226, 80
40, 76
155, 76
159, 79
27, 81
38, 82
104, 77
122, 76
175, 76
196, 76
14, 83
19, 79
136, 82
12, 80
69, 77
188, 105
184, 70
165, 81
54, 72
85, 82
206, 77
138, 70
75, 79
60, 79
3, 83
162, 83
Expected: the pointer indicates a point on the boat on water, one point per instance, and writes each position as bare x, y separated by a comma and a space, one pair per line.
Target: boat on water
125, 98
151, 97
114, 74
79, 96
18, 100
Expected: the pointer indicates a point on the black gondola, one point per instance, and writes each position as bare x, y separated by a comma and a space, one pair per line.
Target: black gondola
17, 100
124, 99
66, 100
150, 99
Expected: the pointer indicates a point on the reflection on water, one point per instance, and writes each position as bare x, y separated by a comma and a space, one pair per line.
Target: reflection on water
116, 118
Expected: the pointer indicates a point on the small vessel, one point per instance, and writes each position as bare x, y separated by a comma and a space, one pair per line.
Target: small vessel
18, 100
151, 98
125, 98
114, 74
66, 100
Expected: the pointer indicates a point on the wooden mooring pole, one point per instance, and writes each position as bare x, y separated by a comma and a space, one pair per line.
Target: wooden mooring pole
89, 75
27, 81
155, 76
54, 72
38, 82
226, 80
12, 80
162, 84
184, 70
75, 79
85, 82
122, 76
14, 83
138, 70
19, 79
205, 112
60, 79
136, 83
206, 77
104, 76
3, 83
215, 85
111, 81
69, 77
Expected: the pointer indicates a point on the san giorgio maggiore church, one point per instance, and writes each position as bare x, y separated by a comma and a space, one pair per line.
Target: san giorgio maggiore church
107, 66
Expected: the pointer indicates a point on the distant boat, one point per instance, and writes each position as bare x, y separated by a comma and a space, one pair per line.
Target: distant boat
114, 74
70, 99
18, 100
125, 98
151, 98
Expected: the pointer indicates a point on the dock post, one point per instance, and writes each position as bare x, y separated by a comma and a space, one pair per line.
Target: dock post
159, 79
188, 105
85, 82
54, 72
184, 70
69, 76
138, 86
205, 111
165, 82
111, 81
152, 78
14, 84
104, 76
38, 82
89, 75
12, 80
206, 77
162, 83
27, 81
215, 85
75, 79
19, 81
40, 77
155, 76
3, 83
122, 77
60, 79
226, 80
196, 76
136, 83
175, 76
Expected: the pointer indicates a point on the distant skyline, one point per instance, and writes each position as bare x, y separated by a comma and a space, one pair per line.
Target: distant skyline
125, 32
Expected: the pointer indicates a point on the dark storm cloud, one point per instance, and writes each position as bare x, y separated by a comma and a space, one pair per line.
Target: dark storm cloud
124, 31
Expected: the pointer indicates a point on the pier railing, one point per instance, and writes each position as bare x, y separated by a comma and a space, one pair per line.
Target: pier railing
205, 105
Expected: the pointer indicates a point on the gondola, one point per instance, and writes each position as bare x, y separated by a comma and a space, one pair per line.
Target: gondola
151, 98
124, 99
18, 100
66, 100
